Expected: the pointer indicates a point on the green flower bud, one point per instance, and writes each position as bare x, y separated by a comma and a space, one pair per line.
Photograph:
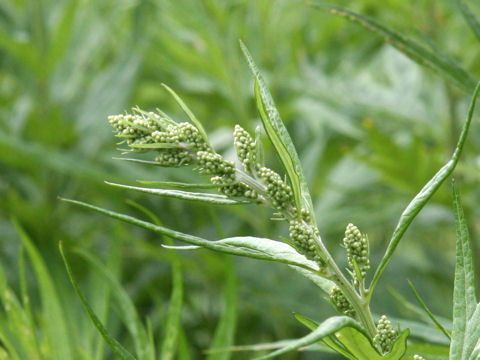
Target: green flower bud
340, 302
279, 193
386, 335
246, 148
357, 250
303, 239
214, 164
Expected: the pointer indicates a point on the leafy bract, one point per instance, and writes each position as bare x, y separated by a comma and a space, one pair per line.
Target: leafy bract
118, 349
278, 135
442, 64
191, 116
349, 334
214, 199
419, 201
257, 248
355, 345
466, 312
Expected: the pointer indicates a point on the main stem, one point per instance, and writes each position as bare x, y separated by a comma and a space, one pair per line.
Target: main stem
360, 304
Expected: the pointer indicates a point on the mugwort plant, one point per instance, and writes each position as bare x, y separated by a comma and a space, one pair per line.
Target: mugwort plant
354, 333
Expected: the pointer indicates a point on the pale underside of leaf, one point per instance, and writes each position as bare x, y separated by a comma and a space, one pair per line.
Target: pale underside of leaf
279, 136
214, 199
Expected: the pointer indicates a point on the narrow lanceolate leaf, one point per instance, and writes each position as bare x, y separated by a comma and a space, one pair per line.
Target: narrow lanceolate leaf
225, 331
425, 194
280, 138
118, 349
328, 327
178, 184
429, 313
56, 332
189, 114
470, 18
143, 348
154, 146
173, 323
466, 311
263, 249
215, 199
440, 63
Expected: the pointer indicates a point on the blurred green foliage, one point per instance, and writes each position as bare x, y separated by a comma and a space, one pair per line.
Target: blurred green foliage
371, 127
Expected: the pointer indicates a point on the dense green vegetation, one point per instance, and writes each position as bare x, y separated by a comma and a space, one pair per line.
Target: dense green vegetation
372, 121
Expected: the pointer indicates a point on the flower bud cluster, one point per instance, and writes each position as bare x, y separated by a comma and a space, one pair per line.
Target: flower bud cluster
357, 250
418, 357
386, 335
135, 128
246, 148
340, 302
279, 193
150, 128
303, 238
224, 175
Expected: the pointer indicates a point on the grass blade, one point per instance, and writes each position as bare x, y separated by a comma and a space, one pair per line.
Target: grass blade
144, 349
425, 194
443, 65
215, 199
173, 323
464, 299
56, 328
427, 310
225, 331
281, 140
470, 18
118, 349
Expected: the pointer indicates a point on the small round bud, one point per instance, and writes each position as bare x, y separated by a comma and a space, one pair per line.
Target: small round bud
386, 335
246, 148
357, 250
340, 302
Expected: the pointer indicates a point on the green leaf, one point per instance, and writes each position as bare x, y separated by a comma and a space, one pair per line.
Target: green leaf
330, 341
189, 114
154, 146
57, 330
263, 249
215, 199
354, 345
469, 18
425, 194
129, 315
173, 323
328, 327
178, 184
429, 313
225, 331
280, 138
118, 349
466, 311
440, 63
